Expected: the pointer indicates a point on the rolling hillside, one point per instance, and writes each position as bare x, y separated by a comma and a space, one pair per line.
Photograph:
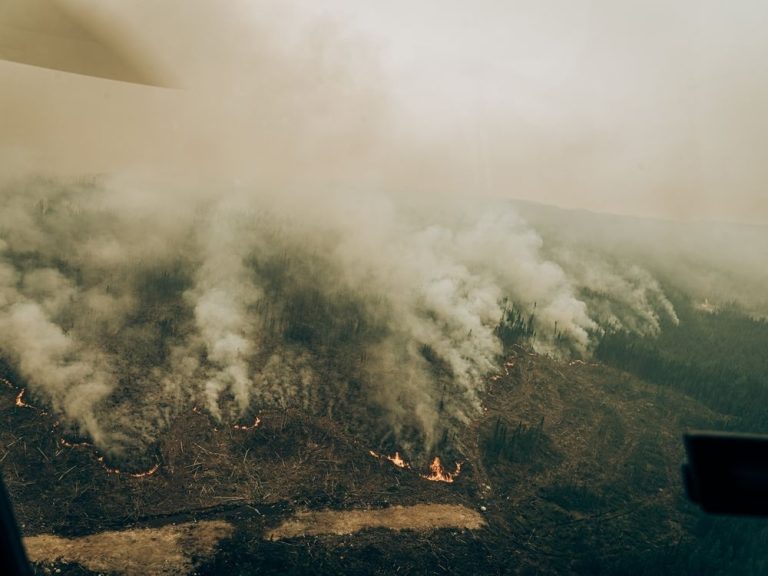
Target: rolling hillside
574, 468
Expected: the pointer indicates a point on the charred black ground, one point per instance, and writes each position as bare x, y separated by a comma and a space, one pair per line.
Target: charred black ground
232, 369
574, 466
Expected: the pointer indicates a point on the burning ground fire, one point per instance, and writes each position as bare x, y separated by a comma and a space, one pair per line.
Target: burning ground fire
437, 472
20, 399
111, 470
507, 365
256, 423
21, 403
397, 460
67, 444
242, 427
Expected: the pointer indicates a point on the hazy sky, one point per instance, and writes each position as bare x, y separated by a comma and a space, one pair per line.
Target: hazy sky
640, 107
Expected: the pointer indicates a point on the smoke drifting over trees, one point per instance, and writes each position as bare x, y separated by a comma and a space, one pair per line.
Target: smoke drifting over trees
309, 251
120, 313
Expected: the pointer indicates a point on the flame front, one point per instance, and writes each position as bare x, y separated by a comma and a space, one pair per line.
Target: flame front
21, 403
68, 444
439, 474
20, 399
253, 426
149, 472
397, 460
117, 471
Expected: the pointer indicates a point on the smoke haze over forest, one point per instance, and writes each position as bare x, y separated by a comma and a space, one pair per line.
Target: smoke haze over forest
633, 109
113, 306
278, 233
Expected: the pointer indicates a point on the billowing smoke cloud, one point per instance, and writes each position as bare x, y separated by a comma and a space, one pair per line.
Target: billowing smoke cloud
299, 270
619, 296
718, 262
119, 313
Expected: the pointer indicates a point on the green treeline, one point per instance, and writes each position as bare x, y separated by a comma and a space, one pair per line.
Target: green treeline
515, 326
719, 358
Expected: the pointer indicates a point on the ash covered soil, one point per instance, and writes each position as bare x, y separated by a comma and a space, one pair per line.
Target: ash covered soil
573, 469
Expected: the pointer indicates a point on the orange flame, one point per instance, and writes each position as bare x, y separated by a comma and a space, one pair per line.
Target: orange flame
68, 444
253, 426
109, 469
439, 474
397, 460
149, 472
20, 403
117, 471
20, 399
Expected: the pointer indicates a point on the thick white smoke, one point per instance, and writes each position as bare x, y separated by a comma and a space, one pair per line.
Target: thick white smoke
619, 296
298, 270
118, 314
221, 297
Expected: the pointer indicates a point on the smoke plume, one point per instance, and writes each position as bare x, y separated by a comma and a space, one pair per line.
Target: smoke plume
121, 313
285, 245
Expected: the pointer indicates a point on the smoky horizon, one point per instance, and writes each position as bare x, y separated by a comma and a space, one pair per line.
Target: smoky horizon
636, 109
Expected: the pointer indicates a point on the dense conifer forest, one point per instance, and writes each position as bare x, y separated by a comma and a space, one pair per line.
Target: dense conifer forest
720, 358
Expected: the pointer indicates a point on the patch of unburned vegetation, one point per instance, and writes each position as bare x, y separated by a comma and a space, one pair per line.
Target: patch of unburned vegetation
168, 550
421, 517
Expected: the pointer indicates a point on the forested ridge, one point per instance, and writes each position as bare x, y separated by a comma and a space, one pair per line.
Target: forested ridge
719, 357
